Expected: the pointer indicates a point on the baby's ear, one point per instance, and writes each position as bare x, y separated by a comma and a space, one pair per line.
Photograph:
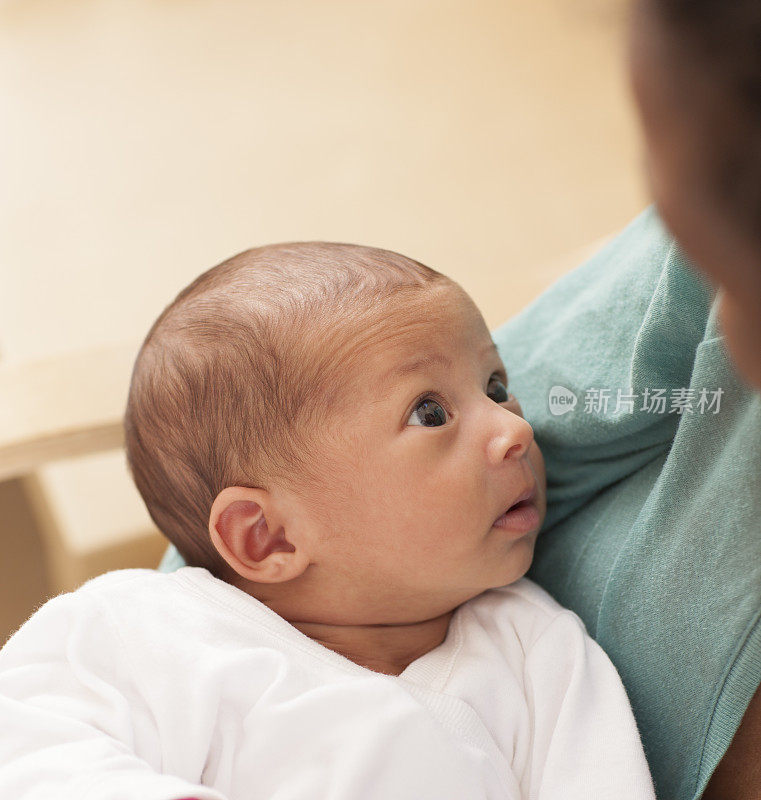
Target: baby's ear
249, 533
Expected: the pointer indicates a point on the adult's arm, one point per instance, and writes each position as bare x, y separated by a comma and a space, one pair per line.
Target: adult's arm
738, 776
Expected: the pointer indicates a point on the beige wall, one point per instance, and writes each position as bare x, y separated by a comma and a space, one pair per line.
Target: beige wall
141, 142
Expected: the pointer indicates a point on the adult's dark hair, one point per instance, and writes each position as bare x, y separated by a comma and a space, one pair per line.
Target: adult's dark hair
720, 41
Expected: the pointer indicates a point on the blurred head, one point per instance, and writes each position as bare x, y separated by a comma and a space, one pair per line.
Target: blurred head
695, 68
328, 426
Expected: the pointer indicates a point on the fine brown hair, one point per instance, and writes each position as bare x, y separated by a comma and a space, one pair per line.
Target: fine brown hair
240, 370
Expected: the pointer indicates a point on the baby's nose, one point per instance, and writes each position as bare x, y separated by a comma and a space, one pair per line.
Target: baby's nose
512, 440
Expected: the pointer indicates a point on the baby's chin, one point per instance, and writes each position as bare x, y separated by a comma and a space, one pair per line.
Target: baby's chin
519, 561
515, 567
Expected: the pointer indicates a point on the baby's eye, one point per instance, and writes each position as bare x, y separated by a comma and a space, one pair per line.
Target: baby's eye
498, 389
428, 413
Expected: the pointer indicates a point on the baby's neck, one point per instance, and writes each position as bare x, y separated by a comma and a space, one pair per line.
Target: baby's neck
389, 649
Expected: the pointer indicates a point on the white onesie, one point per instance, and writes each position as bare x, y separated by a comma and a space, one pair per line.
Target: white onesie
149, 686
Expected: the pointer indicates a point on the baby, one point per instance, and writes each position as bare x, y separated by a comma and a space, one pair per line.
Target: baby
326, 434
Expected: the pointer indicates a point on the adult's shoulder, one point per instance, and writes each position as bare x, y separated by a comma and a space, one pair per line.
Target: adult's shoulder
587, 357
635, 310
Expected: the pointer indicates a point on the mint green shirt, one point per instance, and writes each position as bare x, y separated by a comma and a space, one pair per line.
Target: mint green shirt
653, 531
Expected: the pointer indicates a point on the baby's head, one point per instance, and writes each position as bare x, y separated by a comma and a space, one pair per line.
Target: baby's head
327, 427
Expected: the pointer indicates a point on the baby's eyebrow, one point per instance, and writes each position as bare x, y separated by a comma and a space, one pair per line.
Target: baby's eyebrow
402, 370
399, 371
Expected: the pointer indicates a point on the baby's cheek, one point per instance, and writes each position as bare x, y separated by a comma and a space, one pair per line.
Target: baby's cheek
537, 460
537, 464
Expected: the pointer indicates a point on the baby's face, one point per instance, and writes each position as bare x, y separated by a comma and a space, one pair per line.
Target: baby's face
435, 451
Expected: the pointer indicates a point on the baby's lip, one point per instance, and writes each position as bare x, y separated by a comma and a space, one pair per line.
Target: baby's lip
524, 497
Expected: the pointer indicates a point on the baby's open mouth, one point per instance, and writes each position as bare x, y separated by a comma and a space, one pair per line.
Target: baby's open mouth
522, 515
